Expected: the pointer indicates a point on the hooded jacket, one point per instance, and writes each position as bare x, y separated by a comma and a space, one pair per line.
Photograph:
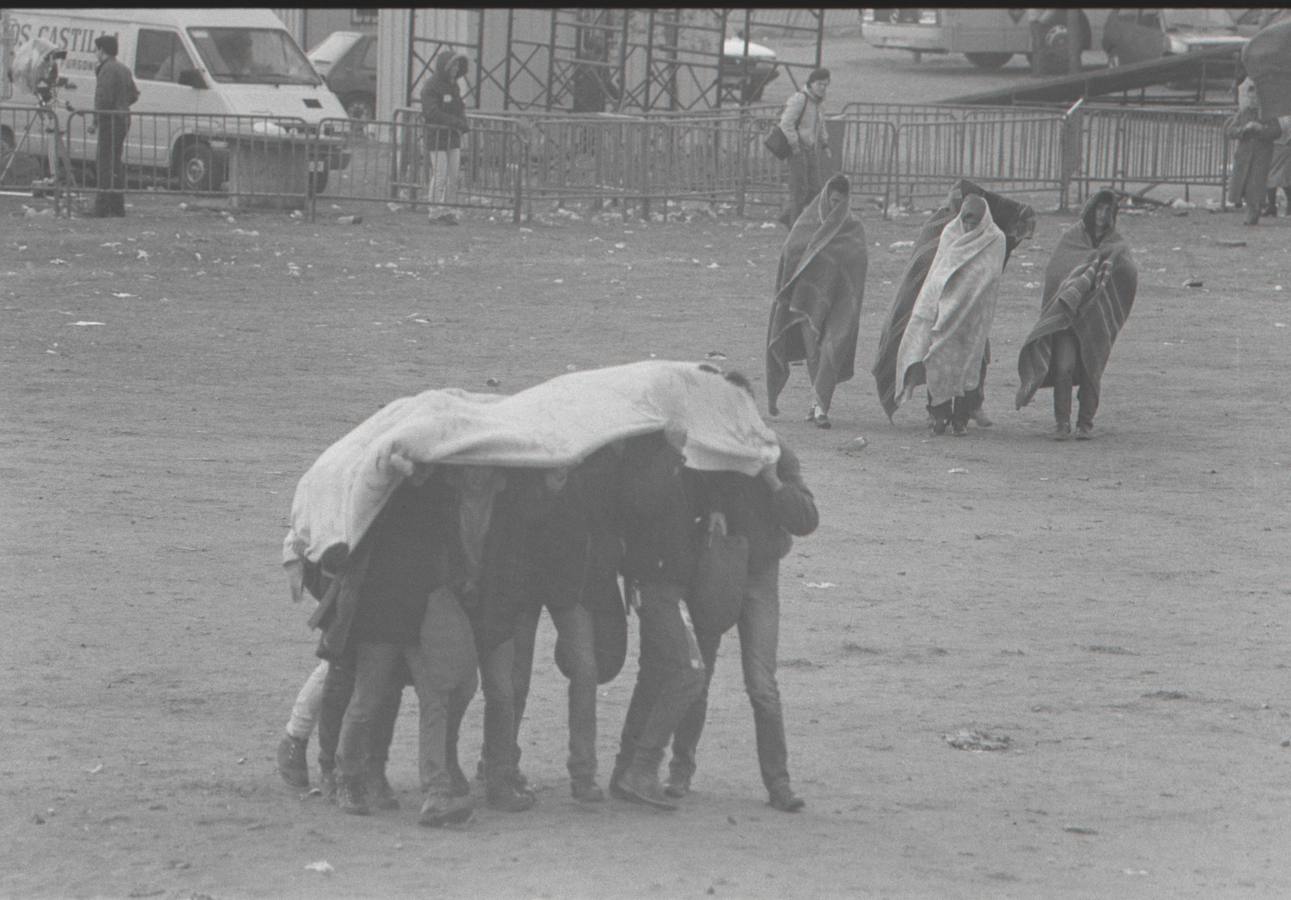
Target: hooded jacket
442, 107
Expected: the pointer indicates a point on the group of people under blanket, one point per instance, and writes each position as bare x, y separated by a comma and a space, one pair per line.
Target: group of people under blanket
937, 332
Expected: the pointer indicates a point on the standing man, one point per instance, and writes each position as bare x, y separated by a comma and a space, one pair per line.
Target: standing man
444, 112
803, 123
114, 94
660, 506
766, 509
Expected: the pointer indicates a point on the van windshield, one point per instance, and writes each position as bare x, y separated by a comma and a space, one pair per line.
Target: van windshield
252, 56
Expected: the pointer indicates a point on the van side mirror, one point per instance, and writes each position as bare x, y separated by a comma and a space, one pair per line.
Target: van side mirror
191, 78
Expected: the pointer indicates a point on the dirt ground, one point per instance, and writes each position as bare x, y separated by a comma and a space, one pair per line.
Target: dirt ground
1114, 610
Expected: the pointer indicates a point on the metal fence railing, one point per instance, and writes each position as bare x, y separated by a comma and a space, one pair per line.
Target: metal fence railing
892, 153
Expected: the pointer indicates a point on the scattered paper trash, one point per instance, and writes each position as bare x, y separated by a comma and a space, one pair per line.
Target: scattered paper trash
322, 867
1230, 243
1193, 283
349, 220
957, 471
96, 770
120, 295
977, 741
822, 585
620, 245
896, 245
855, 445
83, 323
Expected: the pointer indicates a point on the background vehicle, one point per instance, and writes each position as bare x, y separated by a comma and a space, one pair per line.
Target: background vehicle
746, 72
347, 60
988, 37
1137, 35
211, 65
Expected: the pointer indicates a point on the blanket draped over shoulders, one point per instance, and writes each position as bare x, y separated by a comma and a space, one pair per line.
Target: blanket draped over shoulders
946, 334
1088, 288
1016, 220
819, 286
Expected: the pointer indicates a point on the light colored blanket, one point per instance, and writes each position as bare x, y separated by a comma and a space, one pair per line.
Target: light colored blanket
715, 425
951, 318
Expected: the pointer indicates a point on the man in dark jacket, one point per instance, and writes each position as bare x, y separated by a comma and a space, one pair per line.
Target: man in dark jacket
445, 116
661, 509
405, 613
114, 94
574, 555
766, 509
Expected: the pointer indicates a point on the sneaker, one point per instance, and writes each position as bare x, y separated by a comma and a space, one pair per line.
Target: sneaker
1084, 432
822, 421
644, 787
677, 787
616, 791
292, 765
586, 792
784, 799
505, 796
379, 789
327, 784
349, 796
1062, 431
439, 811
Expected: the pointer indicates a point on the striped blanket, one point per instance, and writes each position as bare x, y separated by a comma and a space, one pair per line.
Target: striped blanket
1089, 289
816, 313
951, 318
1016, 220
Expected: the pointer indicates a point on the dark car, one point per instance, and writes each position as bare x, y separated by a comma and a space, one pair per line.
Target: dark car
746, 69
347, 60
1138, 35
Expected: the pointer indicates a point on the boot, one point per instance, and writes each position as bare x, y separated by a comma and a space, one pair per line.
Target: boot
379, 789
678, 785
292, 764
502, 794
784, 799
440, 810
1062, 431
641, 784
349, 795
586, 791
615, 777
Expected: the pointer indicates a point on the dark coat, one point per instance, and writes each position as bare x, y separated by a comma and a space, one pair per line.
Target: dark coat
765, 517
575, 550
114, 89
442, 107
662, 511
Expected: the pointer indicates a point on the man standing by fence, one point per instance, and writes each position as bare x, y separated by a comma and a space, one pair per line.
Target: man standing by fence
445, 116
114, 94
803, 123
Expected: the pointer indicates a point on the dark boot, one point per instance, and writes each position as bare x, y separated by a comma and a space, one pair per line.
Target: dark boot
439, 810
292, 764
641, 785
784, 799
378, 788
350, 797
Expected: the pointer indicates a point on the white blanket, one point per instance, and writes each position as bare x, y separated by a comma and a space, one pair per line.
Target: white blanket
714, 423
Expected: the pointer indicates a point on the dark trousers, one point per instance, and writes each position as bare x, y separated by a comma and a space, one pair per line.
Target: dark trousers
338, 687
804, 182
759, 630
670, 677
576, 649
957, 410
109, 166
1064, 365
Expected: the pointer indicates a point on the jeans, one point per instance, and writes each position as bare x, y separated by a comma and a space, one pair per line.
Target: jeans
336, 691
442, 666
1063, 366
497, 668
759, 630
576, 648
304, 712
443, 178
804, 181
670, 677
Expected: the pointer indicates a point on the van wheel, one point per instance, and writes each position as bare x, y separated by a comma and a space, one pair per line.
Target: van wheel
989, 60
198, 170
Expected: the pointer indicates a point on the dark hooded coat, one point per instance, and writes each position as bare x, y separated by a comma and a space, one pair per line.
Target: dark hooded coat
442, 106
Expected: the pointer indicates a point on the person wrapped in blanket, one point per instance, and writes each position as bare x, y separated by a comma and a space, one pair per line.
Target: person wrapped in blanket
1016, 220
945, 338
816, 313
1089, 288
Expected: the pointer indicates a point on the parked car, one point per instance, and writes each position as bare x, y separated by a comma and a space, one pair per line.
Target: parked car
347, 61
745, 73
1139, 35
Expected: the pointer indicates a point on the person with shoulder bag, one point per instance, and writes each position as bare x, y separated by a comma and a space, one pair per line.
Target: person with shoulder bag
803, 124
766, 509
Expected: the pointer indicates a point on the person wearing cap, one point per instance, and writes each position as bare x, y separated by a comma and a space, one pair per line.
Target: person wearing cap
803, 123
114, 93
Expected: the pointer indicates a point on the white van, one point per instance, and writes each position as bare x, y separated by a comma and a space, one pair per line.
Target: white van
200, 62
